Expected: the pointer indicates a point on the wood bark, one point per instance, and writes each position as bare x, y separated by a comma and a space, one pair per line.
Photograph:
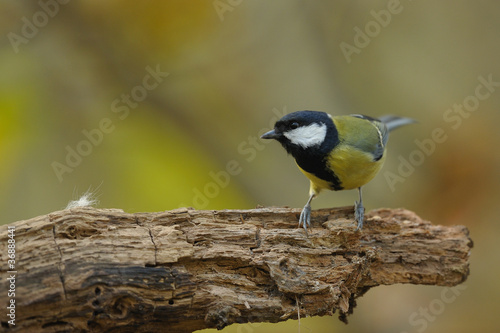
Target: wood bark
87, 269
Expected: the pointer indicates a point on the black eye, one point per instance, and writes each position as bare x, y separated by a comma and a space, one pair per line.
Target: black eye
294, 125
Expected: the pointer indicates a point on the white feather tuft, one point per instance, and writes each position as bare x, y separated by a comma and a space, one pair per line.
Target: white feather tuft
88, 199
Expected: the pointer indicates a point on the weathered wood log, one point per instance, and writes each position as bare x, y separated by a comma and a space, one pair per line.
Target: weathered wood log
87, 269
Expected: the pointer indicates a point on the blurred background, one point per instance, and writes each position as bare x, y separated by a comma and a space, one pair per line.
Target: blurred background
157, 105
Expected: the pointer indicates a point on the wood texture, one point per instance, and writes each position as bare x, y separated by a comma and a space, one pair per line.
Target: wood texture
87, 269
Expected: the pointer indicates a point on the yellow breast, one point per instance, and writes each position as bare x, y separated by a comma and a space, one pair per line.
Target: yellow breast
317, 184
353, 167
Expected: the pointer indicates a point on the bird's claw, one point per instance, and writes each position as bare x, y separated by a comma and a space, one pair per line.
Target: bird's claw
359, 214
305, 217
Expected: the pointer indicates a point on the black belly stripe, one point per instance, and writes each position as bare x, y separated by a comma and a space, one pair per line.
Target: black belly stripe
317, 166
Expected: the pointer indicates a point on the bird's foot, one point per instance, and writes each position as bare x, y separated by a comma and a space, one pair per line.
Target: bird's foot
305, 217
359, 214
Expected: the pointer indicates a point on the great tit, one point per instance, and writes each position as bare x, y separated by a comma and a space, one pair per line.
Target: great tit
335, 152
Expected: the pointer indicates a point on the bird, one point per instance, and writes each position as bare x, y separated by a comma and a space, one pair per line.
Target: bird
335, 153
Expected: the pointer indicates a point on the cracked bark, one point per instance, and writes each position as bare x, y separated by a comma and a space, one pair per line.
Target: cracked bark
61, 264
87, 269
153, 241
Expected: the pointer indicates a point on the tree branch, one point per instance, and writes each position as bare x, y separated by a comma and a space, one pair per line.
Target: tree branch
183, 270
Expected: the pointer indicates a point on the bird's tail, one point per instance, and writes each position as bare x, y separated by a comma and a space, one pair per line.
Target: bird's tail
393, 122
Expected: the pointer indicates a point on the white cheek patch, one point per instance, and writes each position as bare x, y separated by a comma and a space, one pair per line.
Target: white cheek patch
307, 136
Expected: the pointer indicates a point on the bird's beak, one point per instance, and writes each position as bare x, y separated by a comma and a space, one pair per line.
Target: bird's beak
270, 135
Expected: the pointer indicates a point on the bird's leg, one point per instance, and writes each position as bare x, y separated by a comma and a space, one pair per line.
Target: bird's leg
305, 215
359, 211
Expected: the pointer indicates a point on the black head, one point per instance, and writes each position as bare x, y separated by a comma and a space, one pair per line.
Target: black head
305, 132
